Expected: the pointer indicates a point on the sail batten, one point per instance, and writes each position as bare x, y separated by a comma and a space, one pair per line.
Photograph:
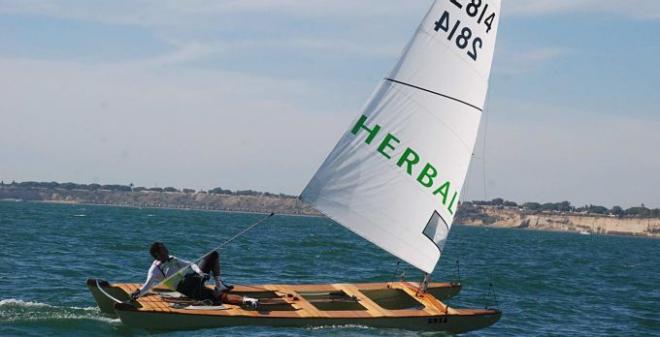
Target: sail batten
396, 175
433, 92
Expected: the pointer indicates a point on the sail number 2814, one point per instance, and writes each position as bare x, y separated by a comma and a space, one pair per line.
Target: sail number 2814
463, 36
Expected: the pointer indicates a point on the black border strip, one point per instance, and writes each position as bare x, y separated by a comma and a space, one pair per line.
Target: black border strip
427, 224
434, 92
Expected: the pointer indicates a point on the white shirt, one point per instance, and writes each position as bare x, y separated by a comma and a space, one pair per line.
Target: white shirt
162, 270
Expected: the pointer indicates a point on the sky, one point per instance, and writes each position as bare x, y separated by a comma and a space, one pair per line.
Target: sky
254, 94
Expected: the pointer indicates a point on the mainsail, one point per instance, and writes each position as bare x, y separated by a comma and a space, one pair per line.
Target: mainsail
396, 175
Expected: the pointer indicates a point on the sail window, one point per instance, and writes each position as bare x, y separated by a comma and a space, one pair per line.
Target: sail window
437, 230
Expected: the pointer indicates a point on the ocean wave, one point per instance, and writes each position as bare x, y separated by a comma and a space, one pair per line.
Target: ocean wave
16, 310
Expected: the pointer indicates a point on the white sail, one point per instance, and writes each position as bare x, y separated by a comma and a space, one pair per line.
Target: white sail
396, 174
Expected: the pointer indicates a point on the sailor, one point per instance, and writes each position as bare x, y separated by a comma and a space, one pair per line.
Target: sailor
193, 283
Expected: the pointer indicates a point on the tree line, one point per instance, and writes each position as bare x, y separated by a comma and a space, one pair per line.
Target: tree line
130, 188
565, 206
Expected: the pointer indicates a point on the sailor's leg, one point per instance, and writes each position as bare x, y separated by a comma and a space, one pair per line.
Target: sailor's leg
239, 300
211, 263
231, 299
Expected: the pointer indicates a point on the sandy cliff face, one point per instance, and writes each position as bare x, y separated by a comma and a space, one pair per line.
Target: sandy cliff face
589, 223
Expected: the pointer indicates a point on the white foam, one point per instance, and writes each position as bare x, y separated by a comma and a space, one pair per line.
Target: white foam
12, 310
339, 326
85, 308
20, 303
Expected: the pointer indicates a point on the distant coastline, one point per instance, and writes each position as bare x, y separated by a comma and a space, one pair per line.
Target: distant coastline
118, 195
591, 220
562, 221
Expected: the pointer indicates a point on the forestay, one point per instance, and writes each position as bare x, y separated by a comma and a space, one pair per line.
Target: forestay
396, 175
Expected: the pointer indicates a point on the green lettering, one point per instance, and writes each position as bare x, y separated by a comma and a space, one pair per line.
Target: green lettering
410, 158
426, 176
451, 204
443, 191
361, 125
385, 144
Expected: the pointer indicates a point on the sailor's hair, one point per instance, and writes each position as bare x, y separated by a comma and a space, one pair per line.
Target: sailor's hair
155, 247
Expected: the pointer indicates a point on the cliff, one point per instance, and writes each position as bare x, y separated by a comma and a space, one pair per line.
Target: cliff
514, 217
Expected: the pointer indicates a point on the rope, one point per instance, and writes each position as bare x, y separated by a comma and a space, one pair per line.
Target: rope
494, 295
458, 270
238, 234
424, 284
396, 271
491, 291
250, 286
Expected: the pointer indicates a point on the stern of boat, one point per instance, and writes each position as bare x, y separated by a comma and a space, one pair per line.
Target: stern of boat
464, 320
444, 290
103, 301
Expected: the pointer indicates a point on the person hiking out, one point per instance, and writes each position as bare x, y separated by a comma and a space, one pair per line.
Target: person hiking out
193, 284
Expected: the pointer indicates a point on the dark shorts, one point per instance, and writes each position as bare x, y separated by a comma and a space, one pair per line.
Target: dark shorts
193, 286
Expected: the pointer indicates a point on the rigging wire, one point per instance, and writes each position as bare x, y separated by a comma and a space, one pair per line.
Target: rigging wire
484, 148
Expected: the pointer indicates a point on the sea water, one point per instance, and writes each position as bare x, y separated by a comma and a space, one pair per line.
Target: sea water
546, 284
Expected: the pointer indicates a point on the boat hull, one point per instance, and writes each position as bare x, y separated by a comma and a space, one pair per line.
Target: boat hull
104, 302
440, 290
456, 323
381, 305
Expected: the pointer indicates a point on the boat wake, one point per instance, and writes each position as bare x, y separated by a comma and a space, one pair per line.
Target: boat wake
344, 326
357, 330
15, 310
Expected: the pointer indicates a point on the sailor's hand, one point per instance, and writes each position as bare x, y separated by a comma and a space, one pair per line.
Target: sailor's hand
135, 295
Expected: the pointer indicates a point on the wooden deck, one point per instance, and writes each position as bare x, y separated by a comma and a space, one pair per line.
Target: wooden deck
295, 297
379, 305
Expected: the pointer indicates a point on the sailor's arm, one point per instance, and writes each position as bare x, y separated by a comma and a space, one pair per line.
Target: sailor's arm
150, 282
181, 263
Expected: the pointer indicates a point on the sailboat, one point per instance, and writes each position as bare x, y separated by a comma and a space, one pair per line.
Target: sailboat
394, 178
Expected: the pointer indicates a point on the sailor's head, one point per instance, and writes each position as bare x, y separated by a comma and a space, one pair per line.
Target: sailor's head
159, 251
